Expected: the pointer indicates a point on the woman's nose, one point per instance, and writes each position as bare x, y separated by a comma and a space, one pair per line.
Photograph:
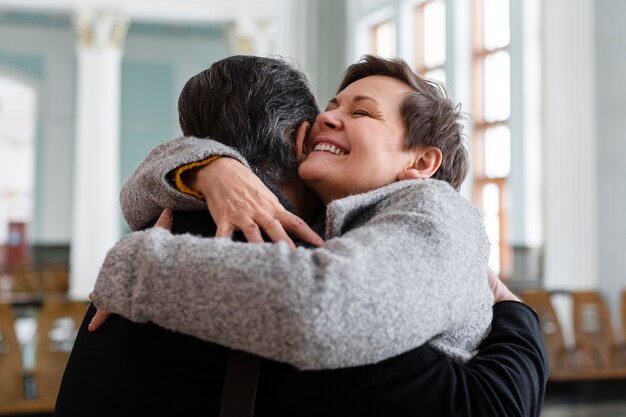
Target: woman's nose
329, 119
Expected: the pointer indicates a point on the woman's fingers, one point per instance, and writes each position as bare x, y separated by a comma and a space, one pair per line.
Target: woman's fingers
298, 228
238, 200
224, 229
276, 222
166, 219
251, 231
275, 231
97, 320
500, 291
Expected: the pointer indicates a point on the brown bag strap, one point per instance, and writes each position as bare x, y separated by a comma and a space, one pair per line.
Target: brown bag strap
242, 376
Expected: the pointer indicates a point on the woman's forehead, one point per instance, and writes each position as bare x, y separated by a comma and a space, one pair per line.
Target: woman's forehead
379, 89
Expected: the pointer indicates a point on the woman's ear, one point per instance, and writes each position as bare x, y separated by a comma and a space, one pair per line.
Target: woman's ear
301, 135
426, 163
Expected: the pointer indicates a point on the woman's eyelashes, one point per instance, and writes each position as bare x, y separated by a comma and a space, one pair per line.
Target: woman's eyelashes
352, 112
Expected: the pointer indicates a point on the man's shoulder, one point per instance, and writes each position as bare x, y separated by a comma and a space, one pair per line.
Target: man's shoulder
197, 222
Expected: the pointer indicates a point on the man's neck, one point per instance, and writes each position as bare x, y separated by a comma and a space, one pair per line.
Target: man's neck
306, 202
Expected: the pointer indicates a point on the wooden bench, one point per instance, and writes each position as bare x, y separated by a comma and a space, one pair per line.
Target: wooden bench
25, 279
594, 332
561, 359
54, 279
58, 325
596, 355
11, 387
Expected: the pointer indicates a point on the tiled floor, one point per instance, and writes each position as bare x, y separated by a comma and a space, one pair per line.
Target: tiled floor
616, 409
588, 399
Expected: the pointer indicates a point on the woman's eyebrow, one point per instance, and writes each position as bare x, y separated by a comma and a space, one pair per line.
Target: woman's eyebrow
361, 98
357, 98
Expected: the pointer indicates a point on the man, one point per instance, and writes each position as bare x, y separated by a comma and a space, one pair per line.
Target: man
141, 369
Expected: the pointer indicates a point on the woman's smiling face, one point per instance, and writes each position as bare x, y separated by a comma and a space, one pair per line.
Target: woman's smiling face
356, 145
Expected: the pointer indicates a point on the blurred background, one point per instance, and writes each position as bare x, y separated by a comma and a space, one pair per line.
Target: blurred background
87, 88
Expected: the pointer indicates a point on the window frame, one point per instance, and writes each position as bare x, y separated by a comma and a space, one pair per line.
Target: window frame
420, 36
373, 32
480, 126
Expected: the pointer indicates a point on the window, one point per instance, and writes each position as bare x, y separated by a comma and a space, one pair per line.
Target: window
491, 111
430, 39
17, 165
384, 39
467, 46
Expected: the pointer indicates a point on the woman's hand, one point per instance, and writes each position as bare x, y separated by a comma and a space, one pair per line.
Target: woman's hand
98, 319
500, 291
238, 200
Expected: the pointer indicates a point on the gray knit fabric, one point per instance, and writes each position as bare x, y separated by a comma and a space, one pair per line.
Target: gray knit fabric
403, 265
148, 191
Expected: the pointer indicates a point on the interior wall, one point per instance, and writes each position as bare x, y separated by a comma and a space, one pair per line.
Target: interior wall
156, 65
610, 57
326, 46
157, 62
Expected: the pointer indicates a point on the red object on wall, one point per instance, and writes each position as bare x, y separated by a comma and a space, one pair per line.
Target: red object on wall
17, 245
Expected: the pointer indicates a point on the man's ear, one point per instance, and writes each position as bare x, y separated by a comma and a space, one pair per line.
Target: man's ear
426, 163
301, 135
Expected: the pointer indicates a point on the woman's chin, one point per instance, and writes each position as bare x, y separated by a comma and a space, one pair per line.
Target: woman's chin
312, 169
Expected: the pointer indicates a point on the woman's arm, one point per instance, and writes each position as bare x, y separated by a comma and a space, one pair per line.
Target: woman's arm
241, 201
413, 271
149, 190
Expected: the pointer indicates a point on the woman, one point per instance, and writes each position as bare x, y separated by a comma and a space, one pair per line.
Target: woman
398, 260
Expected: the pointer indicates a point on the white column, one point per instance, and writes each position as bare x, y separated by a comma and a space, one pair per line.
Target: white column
525, 228
459, 67
569, 150
569, 139
291, 33
96, 222
253, 36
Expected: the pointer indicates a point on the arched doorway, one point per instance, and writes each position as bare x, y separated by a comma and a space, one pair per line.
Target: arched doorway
18, 109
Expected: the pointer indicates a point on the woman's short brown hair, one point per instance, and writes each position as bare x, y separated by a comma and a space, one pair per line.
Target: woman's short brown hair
431, 118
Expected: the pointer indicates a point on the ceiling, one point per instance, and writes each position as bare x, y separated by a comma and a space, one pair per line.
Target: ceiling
155, 11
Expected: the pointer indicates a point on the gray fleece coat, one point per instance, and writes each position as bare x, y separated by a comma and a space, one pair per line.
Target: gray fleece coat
402, 266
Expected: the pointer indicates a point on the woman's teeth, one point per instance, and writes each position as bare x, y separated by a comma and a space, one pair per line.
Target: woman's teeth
328, 148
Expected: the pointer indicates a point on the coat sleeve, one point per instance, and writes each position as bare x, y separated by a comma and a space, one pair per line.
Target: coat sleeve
149, 190
378, 290
507, 377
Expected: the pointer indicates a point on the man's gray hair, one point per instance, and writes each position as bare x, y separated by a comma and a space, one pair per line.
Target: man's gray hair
254, 105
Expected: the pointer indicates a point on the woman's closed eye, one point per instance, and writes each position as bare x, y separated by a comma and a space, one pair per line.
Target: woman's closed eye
361, 112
